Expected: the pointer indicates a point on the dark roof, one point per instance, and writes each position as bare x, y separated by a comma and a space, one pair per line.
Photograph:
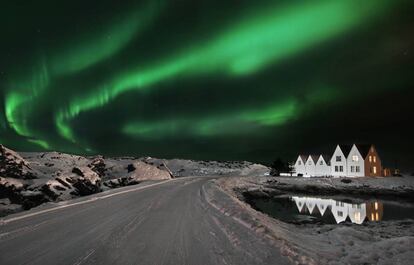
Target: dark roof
314, 158
327, 159
346, 148
363, 149
304, 157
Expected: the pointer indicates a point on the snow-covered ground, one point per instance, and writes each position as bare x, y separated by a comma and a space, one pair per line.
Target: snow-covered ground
30, 179
387, 242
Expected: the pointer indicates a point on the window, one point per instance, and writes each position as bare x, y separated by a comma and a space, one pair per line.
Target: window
357, 216
341, 169
310, 163
375, 159
340, 214
357, 169
355, 158
338, 159
336, 168
374, 169
337, 203
352, 169
321, 163
376, 205
299, 163
370, 158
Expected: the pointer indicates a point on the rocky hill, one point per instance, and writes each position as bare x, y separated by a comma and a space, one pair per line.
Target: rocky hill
30, 179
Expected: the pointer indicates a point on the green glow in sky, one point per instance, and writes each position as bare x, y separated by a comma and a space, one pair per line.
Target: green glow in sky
262, 38
76, 56
200, 79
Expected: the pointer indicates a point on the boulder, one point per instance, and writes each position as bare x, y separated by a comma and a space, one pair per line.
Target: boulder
12, 165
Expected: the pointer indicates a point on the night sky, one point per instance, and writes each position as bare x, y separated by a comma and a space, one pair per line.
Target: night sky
219, 80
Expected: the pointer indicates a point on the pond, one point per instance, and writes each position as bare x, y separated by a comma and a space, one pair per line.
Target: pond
334, 210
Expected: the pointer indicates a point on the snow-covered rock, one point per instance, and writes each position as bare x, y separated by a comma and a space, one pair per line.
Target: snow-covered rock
12, 165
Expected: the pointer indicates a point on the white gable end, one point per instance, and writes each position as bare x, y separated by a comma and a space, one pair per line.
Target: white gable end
355, 163
338, 163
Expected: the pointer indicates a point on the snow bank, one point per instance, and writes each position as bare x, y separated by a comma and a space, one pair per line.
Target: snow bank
387, 242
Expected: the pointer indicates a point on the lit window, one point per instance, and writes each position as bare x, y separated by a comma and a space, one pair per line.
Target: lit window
375, 159
357, 169
375, 170
372, 216
355, 158
357, 216
370, 158
376, 205
376, 217
338, 159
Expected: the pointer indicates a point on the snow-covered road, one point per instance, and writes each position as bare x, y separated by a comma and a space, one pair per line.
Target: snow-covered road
169, 223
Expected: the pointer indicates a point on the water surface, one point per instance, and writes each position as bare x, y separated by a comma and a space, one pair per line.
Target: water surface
297, 209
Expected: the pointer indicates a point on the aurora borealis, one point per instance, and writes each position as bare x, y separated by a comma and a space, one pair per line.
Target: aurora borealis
207, 79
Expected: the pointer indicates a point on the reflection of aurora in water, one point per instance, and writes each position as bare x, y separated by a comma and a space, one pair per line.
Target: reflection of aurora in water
356, 213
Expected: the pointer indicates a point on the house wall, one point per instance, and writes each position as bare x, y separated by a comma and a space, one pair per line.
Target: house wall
352, 166
321, 168
339, 211
300, 166
334, 163
374, 162
357, 213
310, 167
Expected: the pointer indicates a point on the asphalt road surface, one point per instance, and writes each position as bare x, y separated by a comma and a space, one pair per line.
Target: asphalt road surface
165, 223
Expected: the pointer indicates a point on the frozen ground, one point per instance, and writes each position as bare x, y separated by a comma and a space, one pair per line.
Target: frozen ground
387, 242
30, 179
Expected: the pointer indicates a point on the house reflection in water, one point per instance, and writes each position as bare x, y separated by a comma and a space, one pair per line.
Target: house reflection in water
357, 213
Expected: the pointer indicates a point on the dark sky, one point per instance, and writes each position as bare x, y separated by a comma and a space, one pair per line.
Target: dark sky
220, 80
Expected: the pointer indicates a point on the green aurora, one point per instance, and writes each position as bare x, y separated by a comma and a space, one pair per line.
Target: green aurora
175, 79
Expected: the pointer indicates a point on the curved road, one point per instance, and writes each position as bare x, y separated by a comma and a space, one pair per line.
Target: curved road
165, 223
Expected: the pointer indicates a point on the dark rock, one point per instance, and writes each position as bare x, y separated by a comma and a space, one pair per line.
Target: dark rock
131, 168
346, 181
98, 166
77, 171
86, 187
12, 165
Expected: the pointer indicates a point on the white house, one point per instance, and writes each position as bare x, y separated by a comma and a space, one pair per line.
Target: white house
357, 213
323, 166
340, 211
355, 162
323, 204
311, 166
310, 204
339, 159
300, 167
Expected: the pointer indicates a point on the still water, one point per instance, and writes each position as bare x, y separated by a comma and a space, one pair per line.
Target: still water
296, 209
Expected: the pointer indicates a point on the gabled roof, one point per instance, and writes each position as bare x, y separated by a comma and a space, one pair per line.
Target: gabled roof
363, 149
304, 157
346, 148
327, 159
314, 158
